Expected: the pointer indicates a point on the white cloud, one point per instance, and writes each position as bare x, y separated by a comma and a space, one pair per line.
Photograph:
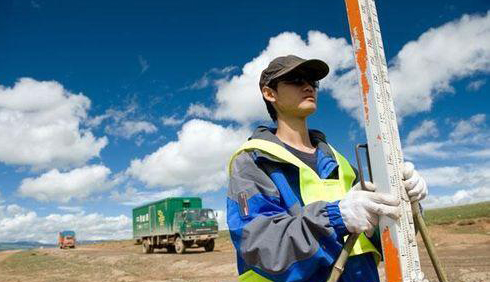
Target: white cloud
196, 161
198, 110
172, 121
127, 122
485, 153
14, 210
210, 77
438, 57
473, 175
466, 127
427, 128
476, 85
195, 110
468, 139
25, 225
42, 122
71, 209
425, 68
460, 197
353, 133
429, 149
62, 187
128, 128
143, 64
472, 182
133, 197
96, 121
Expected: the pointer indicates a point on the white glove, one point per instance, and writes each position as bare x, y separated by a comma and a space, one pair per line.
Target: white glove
360, 210
413, 182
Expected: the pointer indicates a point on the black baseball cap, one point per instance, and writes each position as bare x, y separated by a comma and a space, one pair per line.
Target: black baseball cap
280, 66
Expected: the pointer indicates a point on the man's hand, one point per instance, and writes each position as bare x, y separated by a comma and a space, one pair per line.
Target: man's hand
360, 210
413, 182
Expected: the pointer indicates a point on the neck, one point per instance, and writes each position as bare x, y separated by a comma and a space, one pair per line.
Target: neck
294, 132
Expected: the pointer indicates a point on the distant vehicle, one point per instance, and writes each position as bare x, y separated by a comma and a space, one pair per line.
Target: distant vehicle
175, 224
66, 239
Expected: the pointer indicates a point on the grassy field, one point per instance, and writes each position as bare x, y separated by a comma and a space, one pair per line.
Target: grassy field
463, 214
30, 265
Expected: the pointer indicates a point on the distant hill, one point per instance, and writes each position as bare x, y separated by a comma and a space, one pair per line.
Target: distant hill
457, 213
23, 245
34, 245
87, 242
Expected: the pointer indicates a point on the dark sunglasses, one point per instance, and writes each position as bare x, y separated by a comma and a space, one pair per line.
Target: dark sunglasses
299, 81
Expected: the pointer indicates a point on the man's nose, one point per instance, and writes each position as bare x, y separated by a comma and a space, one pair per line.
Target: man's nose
308, 87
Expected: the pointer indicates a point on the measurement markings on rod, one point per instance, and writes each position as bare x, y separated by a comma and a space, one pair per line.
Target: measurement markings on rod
399, 241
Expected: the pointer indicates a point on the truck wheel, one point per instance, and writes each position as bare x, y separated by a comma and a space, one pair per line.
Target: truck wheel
147, 248
209, 247
179, 245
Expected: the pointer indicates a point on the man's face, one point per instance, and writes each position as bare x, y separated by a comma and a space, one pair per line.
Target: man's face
296, 96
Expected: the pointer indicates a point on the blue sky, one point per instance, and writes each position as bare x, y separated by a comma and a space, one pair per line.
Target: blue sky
105, 106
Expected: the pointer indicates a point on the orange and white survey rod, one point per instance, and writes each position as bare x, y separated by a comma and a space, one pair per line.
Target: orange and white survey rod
398, 238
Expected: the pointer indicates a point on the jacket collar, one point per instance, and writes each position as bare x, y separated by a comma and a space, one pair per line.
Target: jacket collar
268, 134
317, 138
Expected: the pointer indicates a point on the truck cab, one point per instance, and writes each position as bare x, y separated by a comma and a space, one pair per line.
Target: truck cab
66, 239
196, 226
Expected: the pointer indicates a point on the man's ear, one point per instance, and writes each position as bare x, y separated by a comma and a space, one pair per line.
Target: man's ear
269, 94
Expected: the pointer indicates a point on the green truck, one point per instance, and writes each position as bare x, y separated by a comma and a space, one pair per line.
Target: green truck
175, 224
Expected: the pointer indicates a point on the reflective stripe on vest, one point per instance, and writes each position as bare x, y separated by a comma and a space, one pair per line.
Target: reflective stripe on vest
312, 189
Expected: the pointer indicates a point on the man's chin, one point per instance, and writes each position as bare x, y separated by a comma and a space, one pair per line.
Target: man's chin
307, 111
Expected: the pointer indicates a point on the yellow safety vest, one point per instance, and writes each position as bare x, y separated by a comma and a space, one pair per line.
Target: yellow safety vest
312, 189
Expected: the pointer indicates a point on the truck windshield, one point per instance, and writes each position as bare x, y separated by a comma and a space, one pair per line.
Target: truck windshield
207, 214
195, 215
191, 215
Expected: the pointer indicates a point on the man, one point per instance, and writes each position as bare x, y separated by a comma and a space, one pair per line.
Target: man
290, 203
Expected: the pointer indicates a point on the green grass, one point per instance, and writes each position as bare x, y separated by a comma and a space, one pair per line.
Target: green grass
457, 213
225, 234
223, 237
34, 264
29, 261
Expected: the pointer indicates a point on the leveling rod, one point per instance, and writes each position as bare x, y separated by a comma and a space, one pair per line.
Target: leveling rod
400, 251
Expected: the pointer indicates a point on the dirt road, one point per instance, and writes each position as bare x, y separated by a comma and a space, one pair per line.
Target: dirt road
466, 257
